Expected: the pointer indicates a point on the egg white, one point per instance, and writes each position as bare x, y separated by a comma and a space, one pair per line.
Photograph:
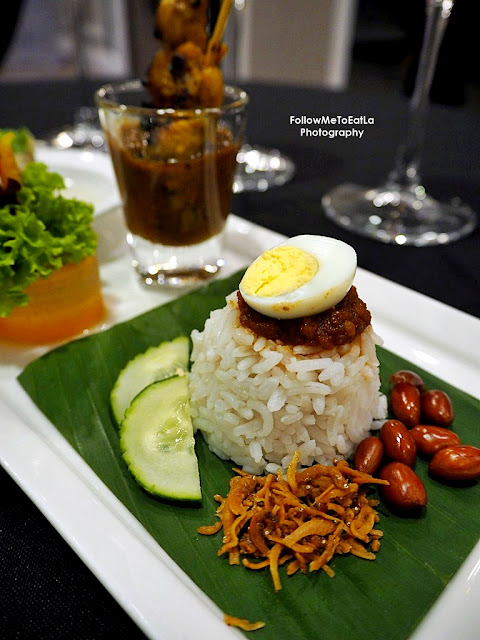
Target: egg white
337, 263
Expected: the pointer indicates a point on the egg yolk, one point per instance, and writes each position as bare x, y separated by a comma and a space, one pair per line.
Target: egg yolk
278, 271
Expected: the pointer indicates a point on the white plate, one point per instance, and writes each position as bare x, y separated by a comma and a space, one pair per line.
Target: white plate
127, 560
88, 175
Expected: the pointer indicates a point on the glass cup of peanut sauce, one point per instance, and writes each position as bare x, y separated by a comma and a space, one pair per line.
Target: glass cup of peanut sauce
175, 170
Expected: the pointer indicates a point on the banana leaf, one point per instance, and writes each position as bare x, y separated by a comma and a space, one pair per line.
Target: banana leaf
384, 598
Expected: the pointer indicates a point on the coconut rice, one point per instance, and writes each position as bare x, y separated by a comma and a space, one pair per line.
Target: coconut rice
257, 402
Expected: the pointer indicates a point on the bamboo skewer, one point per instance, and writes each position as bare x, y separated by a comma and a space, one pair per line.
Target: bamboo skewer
218, 31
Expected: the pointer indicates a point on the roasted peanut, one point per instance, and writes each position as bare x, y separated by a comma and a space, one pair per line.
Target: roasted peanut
405, 492
404, 375
437, 408
398, 444
368, 455
405, 403
457, 464
430, 438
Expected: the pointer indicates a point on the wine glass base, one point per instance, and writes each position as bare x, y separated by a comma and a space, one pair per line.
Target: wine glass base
398, 216
85, 133
259, 169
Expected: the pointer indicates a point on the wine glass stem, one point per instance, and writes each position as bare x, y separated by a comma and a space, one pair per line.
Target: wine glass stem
406, 170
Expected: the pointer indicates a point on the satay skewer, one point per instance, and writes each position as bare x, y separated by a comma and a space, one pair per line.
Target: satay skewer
217, 35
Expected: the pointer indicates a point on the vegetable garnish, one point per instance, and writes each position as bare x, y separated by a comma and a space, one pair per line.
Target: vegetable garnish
39, 233
16, 151
241, 623
303, 519
156, 438
156, 363
22, 143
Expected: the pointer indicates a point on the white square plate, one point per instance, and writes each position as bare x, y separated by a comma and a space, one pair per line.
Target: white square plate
112, 543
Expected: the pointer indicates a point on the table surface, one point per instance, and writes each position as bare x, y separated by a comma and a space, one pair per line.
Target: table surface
45, 590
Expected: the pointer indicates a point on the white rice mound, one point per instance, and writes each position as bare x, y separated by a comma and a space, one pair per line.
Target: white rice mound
257, 402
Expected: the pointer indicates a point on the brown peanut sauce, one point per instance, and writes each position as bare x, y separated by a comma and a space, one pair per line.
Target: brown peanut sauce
338, 325
174, 203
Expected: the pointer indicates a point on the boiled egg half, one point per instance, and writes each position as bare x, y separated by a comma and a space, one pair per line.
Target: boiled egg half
300, 277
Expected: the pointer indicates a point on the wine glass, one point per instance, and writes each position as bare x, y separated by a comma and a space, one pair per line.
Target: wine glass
85, 132
400, 211
258, 168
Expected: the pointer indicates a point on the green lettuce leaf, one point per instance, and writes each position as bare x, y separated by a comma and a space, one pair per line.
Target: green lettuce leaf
40, 233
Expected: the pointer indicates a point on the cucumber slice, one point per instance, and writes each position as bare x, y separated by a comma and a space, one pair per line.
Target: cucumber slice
156, 363
156, 438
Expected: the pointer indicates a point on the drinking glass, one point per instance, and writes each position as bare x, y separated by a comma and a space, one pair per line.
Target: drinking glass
84, 133
401, 211
175, 170
258, 168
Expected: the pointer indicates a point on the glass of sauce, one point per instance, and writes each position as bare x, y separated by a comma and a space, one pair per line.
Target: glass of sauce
175, 171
